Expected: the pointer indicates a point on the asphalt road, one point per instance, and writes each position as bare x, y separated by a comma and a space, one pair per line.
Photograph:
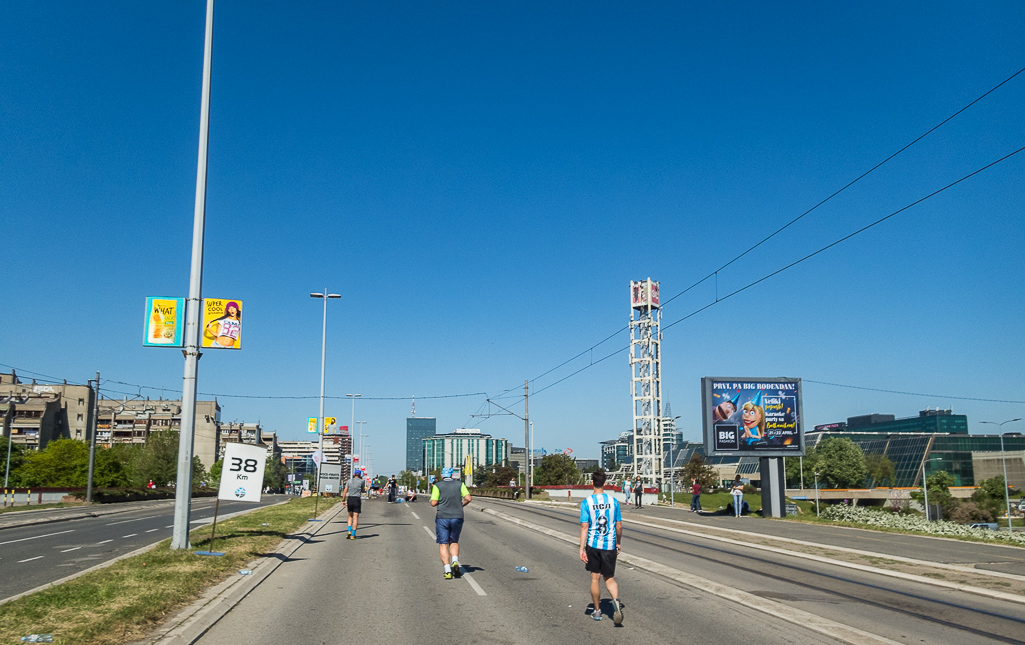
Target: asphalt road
387, 587
35, 555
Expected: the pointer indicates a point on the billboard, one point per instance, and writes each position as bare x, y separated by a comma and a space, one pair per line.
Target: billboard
242, 474
165, 322
644, 293
222, 323
752, 416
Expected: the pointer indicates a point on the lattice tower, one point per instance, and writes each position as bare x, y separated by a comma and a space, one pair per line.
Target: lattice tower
646, 380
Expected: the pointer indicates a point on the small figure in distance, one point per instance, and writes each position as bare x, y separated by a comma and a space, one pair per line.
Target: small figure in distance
601, 535
449, 496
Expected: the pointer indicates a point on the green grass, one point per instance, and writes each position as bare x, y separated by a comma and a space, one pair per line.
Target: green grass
36, 507
127, 600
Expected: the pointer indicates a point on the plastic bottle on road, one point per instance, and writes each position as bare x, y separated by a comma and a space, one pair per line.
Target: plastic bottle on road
522, 569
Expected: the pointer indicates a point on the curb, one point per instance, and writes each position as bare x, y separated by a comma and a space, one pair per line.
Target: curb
190, 624
78, 516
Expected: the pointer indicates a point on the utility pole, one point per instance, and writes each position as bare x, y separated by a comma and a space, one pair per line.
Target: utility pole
92, 441
183, 487
526, 435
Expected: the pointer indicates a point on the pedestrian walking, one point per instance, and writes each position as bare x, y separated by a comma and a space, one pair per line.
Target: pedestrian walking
393, 487
449, 496
695, 500
737, 490
627, 490
352, 493
601, 535
638, 491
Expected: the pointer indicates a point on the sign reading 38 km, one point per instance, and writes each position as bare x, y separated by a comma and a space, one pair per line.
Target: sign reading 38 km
242, 474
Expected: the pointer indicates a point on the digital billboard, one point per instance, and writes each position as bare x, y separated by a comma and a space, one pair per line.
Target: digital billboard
752, 416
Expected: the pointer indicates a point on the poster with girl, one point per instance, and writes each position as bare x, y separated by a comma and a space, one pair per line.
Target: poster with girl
222, 323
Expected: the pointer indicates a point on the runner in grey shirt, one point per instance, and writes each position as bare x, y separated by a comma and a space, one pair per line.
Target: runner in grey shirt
353, 502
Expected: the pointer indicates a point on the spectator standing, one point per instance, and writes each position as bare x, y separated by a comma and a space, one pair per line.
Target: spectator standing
695, 500
638, 491
737, 490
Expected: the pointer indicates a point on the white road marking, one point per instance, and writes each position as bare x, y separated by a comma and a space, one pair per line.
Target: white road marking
169, 526
30, 559
473, 583
104, 542
36, 537
129, 535
415, 515
138, 519
151, 530
431, 533
74, 548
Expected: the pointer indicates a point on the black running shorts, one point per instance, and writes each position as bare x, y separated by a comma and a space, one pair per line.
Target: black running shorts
354, 504
601, 561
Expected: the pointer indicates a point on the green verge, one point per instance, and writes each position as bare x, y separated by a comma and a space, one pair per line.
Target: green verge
127, 600
39, 507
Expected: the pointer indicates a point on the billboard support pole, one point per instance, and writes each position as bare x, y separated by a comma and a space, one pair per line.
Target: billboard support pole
183, 486
773, 498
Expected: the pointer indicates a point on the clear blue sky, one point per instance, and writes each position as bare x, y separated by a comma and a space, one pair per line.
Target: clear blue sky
481, 182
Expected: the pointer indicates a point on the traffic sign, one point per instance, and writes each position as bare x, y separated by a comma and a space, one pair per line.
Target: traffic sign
242, 475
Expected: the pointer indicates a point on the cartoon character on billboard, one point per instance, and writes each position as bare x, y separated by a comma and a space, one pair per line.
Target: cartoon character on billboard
226, 330
753, 418
727, 409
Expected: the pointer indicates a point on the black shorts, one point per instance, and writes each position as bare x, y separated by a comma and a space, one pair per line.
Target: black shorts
354, 504
601, 561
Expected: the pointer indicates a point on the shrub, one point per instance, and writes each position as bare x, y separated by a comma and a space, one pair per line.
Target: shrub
865, 516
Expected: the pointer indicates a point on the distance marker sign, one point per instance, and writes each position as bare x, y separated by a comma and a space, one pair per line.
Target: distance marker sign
242, 475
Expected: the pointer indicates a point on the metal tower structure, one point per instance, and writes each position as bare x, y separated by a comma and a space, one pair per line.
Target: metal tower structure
646, 380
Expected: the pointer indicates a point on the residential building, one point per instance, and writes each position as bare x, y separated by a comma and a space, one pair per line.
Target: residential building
450, 450
418, 429
298, 455
35, 414
132, 421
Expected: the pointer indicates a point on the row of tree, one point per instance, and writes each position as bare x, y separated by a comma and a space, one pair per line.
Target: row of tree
64, 463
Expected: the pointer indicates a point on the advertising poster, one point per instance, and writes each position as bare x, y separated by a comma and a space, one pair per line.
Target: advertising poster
165, 322
644, 294
331, 478
242, 475
222, 323
311, 425
752, 416
330, 425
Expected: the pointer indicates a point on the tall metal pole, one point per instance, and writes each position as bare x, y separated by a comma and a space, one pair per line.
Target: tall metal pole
816, 494
92, 441
526, 435
925, 489
183, 486
1007, 496
320, 419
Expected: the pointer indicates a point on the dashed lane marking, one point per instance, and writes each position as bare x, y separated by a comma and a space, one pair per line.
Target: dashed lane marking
74, 548
129, 535
29, 559
473, 583
36, 537
151, 530
431, 533
415, 515
104, 542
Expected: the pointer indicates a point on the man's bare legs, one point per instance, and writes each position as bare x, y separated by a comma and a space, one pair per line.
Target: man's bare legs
610, 584
445, 550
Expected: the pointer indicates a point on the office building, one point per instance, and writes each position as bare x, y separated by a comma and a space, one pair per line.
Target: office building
418, 429
450, 450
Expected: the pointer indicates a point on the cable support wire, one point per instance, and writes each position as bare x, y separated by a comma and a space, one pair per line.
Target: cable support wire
796, 219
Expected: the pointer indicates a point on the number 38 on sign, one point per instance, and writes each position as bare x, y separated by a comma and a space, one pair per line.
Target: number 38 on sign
242, 475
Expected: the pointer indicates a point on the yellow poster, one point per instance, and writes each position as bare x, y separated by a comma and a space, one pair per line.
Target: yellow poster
311, 425
165, 322
222, 323
330, 425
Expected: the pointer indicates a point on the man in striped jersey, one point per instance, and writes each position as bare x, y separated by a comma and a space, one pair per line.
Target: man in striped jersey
601, 533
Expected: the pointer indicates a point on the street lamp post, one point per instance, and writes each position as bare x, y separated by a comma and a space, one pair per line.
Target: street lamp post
320, 420
1003, 458
925, 486
353, 420
360, 435
816, 494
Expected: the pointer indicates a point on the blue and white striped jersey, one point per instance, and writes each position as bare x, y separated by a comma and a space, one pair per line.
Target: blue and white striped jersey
601, 512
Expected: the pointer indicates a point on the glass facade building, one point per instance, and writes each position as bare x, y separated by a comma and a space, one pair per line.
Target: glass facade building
418, 429
935, 439
451, 450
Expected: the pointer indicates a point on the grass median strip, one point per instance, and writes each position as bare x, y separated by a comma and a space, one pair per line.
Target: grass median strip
127, 600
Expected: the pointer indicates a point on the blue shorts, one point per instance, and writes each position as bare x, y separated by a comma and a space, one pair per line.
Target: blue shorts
448, 529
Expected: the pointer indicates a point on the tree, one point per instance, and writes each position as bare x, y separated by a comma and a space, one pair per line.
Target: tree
158, 460
881, 470
17, 459
407, 478
840, 463
274, 474
989, 496
215, 472
64, 463
697, 468
556, 470
501, 476
939, 484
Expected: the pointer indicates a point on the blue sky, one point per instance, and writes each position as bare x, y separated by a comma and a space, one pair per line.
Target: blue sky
481, 183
